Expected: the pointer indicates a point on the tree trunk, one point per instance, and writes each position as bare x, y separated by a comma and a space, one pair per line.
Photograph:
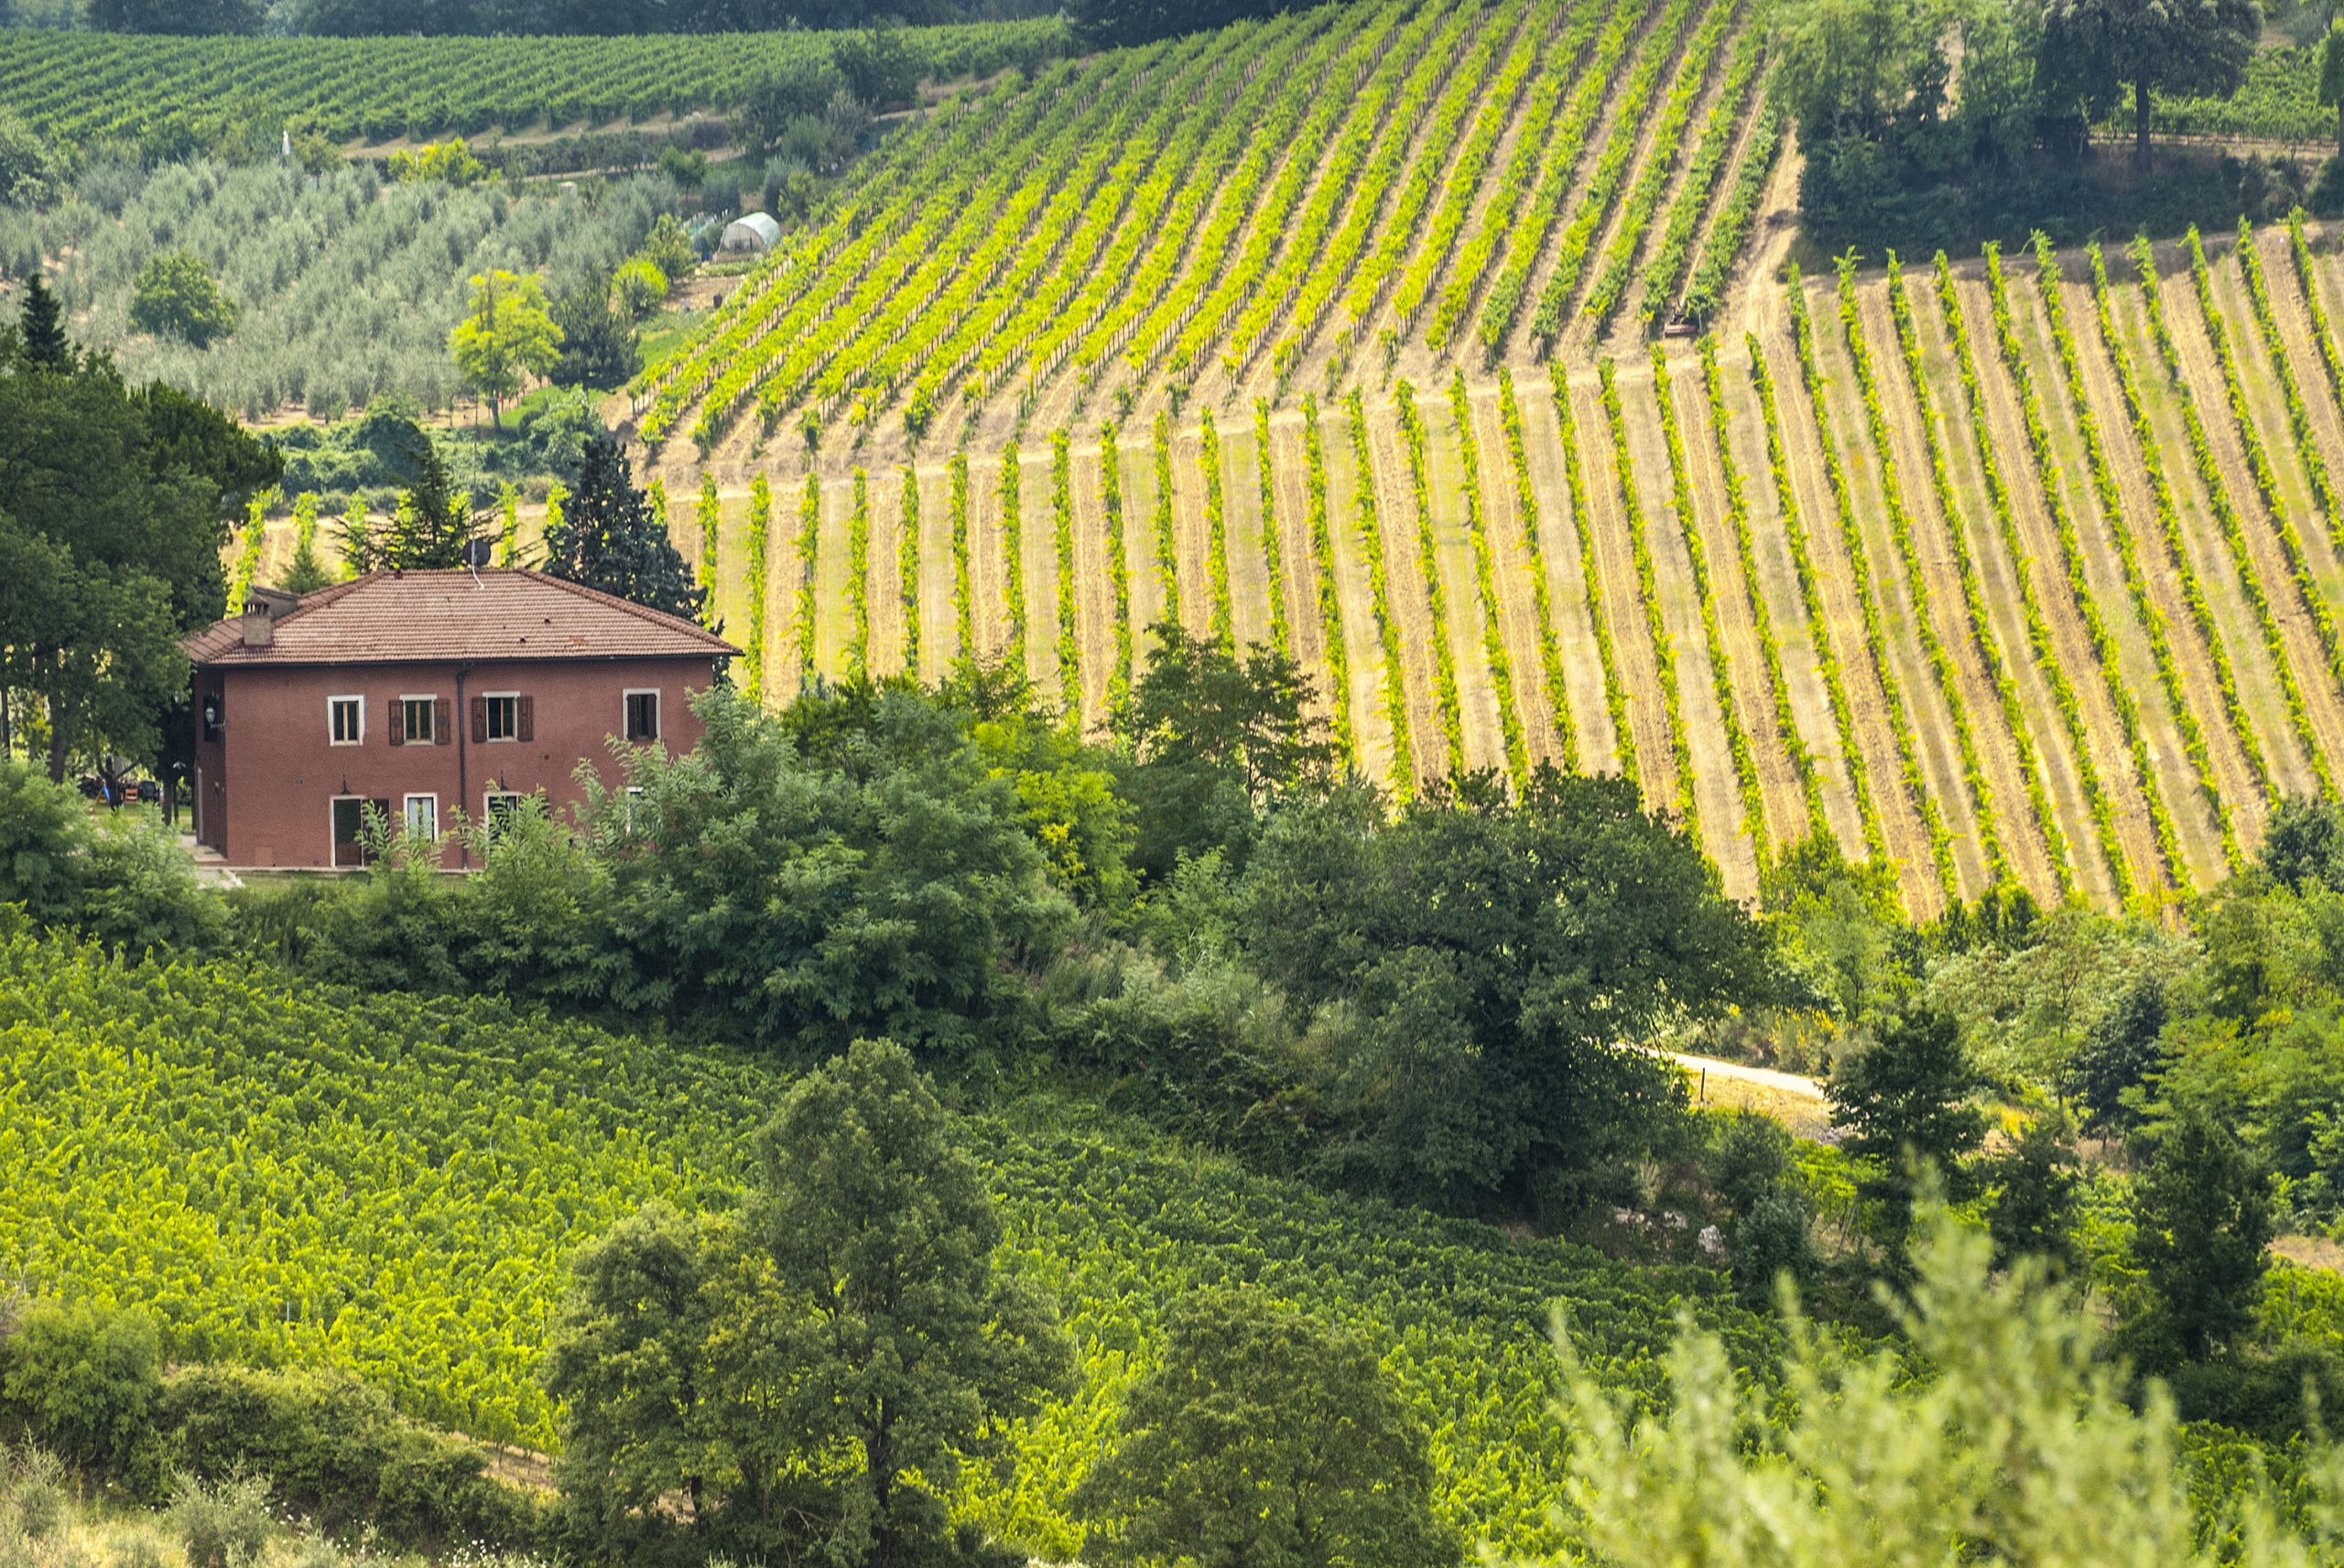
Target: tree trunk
2141, 119
2340, 128
56, 747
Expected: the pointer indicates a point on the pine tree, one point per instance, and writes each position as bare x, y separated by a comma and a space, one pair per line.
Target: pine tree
610, 537
42, 325
434, 519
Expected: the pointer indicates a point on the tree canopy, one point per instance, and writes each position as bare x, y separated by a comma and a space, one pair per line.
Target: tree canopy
811, 1372
1264, 1439
609, 538
113, 510
506, 334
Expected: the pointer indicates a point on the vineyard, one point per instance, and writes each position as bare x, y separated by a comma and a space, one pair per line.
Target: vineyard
95, 87
2018, 571
393, 1185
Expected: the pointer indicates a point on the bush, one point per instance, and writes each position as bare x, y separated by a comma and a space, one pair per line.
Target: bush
339, 1454
2275, 1397
84, 1380
120, 878
223, 1525
641, 286
175, 296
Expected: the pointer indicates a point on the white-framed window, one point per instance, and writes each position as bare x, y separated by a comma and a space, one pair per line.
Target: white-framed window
498, 806
503, 720
642, 715
423, 814
417, 718
345, 720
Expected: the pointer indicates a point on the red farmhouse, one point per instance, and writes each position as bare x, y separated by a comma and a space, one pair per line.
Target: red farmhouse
424, 693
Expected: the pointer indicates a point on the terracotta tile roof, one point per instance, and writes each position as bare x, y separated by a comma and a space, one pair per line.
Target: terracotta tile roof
390, 617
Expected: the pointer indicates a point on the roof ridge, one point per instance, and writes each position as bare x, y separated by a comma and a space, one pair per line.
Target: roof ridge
642, 611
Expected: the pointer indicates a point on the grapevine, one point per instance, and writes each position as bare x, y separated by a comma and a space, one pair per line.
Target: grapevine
1273, 547
1491, 610
1664, 647
809, 544
753, 651
1371, 531
1615, 690
858, 580
907, 568
1062, 541
1330, 608
1119, 577
1542, 599
1444, 657
1216, 527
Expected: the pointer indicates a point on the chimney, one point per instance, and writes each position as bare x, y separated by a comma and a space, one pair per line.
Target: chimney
259, 631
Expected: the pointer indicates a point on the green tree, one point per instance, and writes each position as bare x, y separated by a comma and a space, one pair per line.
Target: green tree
40, 326
2332, 75
598, 343
448, 163
1264, 1439
2125, 1045
2302, 840
1214, 738
2095, 51
1492, 955
851, 870
506, 333
434, 520
2201, 1218
915, 1348
610, 539
2016, 1446
2032, 1196
29, 168
1903, 1101
186, 17
639, 285
175, 296
111, 522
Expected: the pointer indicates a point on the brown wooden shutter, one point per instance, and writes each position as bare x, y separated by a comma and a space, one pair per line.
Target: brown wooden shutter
399, 722
480, 720
442, 731
527, 722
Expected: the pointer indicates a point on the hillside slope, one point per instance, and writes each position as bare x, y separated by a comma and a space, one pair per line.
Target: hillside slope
392, 1185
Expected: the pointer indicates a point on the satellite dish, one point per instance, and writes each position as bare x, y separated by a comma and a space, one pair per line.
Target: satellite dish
477, 553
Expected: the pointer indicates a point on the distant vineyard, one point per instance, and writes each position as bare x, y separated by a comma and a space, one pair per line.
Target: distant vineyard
92, 86
1277, 206
2020, 571
2279, 102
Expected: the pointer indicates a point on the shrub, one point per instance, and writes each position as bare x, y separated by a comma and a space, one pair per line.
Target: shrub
175, 296
222, 1525
641, 286
82, 1380
338, 1453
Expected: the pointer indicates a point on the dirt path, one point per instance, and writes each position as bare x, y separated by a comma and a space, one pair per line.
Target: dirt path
2309, 661
2023, 846
2201, 686
1249, 566
1907, 840
1924, 705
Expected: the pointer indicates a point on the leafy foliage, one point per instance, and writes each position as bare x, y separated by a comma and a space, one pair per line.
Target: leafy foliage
610, 538
176, 297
